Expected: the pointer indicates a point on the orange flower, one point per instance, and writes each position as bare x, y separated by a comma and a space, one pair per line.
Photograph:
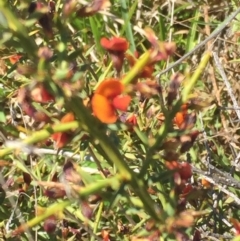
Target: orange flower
61, 139
15, 58
132, 119
183, 169
180, 119
107, 99
116, 46
205, 183
185, 120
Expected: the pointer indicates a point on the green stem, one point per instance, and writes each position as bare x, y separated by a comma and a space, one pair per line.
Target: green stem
97, 220
164, 130
137, 68
198, 72
99, 185
77, 215
91, 125
42, 135
50, 211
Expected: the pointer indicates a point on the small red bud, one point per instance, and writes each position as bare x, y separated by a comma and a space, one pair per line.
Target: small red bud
50, 224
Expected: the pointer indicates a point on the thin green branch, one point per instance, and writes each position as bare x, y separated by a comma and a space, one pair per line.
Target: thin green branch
54, 209
90, 124
164, 130
41, 136
137, 68
97, 220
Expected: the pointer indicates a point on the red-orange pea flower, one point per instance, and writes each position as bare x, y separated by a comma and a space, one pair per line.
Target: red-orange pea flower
205, 183
107, 99
14, 58
183, 119
180, 118
183, 169
132, 119
62, 138
116, 46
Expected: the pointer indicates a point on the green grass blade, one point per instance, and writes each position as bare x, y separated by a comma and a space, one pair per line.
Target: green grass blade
193, 31
127, 17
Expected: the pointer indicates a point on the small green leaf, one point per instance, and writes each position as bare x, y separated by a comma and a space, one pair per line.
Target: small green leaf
2, 117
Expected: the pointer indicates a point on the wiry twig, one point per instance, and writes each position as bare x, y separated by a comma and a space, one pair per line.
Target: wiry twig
216, 176
235, 162
228, 108
228, 86
215, 33
219, 181
15, 210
